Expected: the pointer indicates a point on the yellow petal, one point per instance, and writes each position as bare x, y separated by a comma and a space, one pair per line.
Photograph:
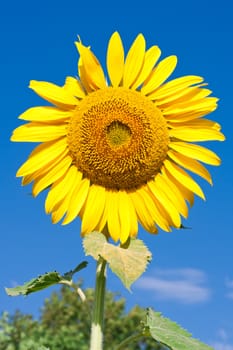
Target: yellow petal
207, 105
161, 72
183, 178
175, 85
198, 123
77, 199
92, 66
85, 81
158, 214
196, 152
38, 132
62, 206
42, 171
94, 208
45, 114
151, 57
114, 227
61, 187
31, 177
27, 179
139, 201
198, 93
178, 205
43, 155
133, 218
184, 117
190, 164
103, 220
125, 212
53, 175
189, 115
195, 134
185, 192
74, 87
184, 95
53, 93
156, 187
174, 195
134, 61
115, 59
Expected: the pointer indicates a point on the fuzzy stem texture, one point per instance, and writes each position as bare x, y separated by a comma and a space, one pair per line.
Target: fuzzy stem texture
98, 310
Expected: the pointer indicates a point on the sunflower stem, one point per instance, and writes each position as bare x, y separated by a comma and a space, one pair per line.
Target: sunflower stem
98, 309
129, 340
135, 337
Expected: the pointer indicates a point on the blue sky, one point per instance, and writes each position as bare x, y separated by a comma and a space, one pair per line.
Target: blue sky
191, 277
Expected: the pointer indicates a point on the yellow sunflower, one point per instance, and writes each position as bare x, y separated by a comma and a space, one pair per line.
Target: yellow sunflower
115, 150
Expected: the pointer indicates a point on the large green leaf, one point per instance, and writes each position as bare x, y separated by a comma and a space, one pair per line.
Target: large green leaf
128, 262
44, 281
171, 334
35, 284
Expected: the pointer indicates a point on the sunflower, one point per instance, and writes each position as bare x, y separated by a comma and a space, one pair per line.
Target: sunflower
118, 150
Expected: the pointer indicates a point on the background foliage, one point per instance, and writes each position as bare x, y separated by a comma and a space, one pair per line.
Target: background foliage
64, 324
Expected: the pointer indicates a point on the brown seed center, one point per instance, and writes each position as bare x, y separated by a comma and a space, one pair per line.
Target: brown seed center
118, 138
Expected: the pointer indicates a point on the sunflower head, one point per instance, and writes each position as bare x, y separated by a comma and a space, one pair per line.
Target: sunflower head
117, 149
110, 135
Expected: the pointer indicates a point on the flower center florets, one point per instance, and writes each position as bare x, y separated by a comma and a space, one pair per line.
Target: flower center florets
118, 138
118, 134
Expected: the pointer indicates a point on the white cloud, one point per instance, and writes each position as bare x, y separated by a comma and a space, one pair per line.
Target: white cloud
229, 285
224, 340
222, 346
222, 334
230, 295
182, 285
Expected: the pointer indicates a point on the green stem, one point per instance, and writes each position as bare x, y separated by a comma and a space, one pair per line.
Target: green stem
98, 311
129, 340
78, 290
135, 337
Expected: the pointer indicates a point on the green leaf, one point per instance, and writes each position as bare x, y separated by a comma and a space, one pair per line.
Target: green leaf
44, 281
128, 263
68, 275
36, 284
170, 334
